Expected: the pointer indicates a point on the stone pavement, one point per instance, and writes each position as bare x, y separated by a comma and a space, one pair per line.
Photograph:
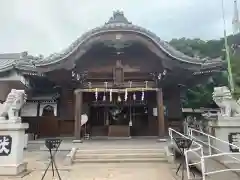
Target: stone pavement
105, 171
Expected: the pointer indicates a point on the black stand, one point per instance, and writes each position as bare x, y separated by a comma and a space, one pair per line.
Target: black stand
52, 145
183, 144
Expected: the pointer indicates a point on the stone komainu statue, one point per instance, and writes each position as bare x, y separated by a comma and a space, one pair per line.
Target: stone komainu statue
229, 107
11, 107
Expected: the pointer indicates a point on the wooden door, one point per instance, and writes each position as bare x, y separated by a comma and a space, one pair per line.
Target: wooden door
48, 125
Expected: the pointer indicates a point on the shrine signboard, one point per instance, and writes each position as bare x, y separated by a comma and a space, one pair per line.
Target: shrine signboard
5, 145
234, 138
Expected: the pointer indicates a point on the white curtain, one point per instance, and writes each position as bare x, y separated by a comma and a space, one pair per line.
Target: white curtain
29, 109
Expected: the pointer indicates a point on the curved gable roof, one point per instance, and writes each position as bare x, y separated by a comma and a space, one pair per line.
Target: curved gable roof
118, 22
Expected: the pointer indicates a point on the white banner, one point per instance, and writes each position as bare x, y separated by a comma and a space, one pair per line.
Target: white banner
29, 109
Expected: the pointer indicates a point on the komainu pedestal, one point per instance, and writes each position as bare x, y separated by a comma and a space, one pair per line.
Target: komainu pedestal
227, 125
228, 105
12, 134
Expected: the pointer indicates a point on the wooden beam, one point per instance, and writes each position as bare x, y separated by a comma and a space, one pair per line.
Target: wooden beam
78, 112
111, 85
115, 90
160, 117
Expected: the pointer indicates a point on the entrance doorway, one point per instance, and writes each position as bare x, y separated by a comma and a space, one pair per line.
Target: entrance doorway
97, 121
140, 121
119, 120
48, 123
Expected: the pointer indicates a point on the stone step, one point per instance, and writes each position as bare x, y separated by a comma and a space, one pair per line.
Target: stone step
119, 155
119, 151
120, 160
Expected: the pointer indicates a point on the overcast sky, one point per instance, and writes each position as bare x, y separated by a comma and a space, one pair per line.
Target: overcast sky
48, 26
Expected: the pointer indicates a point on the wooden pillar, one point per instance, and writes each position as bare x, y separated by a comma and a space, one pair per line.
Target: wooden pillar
160, 110
78, 112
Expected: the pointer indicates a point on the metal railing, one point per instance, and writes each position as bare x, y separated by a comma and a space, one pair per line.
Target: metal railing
208, 141
198, 150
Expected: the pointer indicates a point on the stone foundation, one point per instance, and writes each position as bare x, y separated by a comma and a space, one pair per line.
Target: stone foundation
11, 159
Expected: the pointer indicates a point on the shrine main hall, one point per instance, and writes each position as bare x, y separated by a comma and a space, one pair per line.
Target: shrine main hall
122, 77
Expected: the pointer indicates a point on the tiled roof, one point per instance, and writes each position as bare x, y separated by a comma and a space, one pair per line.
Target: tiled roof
9, 60
118, 22
10, 56
21, 60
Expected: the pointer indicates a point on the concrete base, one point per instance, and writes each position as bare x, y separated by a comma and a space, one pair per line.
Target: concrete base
169, 154
12, 170
221, 129
12, 163
77, 141
162, 140
70, 157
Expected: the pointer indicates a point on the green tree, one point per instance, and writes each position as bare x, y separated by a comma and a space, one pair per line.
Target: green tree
235, 64
201, 94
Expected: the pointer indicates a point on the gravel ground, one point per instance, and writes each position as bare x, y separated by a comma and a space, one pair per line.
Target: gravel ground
37, 162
